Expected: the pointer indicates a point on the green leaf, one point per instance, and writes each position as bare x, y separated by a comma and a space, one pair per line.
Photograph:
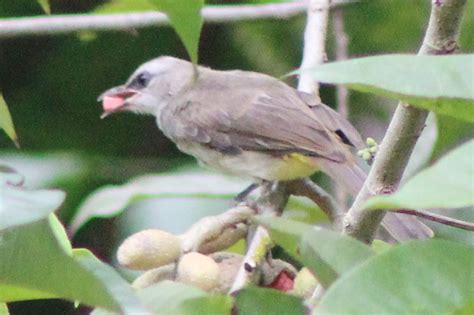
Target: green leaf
111, 200
450, 132
442, 84
45, 6
34, 265
117, 6
328, 254
6, 122
168, 298
185, 16
268, 301
116, 286
3, 309
424, 277
21, 206
446, 184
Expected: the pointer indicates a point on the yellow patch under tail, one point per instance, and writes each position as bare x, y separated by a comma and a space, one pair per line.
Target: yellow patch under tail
297, 165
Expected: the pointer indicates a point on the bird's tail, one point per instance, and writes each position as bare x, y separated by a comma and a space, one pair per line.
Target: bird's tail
400, 226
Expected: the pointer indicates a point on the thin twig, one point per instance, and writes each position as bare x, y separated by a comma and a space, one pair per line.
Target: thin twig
404, 129
272, 200
61, 24
255, 257
305, 187
438, 218
341, 40
314, 52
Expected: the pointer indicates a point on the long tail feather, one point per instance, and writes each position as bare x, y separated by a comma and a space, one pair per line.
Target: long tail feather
399, 226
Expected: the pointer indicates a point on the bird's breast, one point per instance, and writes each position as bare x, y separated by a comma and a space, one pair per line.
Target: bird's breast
253, 164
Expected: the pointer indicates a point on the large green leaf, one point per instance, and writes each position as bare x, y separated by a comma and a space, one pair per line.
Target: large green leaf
111, 200
443, 84
21, 206
34, 265
168, 298
185, 16
268, 301
3, 309
176, 298
449, 183
6, 122
424, 277
328, 254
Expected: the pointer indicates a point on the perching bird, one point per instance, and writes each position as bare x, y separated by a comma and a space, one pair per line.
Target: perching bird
245, 123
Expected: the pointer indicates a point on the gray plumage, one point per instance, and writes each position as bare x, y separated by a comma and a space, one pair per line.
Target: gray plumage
248, 124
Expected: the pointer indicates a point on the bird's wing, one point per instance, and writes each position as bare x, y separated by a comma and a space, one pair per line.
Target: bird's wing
252, 118
333, 121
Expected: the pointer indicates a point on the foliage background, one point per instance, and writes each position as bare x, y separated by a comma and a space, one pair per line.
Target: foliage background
51, 84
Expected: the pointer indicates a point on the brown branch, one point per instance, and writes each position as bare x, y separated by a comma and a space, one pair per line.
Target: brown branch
405, 127
305, 187
61, 24
438, 218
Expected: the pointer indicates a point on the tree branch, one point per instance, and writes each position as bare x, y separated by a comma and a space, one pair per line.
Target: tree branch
272, 201
314, 52
61, 24
405, 127
438, 218
305, 187
341, 40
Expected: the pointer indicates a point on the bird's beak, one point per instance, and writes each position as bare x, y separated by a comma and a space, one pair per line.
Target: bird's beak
115, 99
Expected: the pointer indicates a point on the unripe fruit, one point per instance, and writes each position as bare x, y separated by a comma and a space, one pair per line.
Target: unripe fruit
371, 142
149, 249
229, 265
153, 276
198, 270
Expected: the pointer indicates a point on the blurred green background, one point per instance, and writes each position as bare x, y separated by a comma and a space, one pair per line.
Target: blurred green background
51, 84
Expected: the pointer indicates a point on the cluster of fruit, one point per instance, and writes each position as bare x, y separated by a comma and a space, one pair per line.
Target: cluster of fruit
160, 254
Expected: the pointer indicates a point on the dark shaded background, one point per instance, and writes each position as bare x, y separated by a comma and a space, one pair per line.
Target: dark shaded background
51, 84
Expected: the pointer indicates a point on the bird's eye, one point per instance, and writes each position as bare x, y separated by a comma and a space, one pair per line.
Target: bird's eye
142, 79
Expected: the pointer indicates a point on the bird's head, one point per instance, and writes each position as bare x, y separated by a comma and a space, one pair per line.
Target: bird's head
149, 88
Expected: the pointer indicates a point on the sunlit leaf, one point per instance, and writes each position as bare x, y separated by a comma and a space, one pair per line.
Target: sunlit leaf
19, 205
442, 84
169, 298
33, 265
446, 184
6, 122
424, 277
111, 200
185, 16
3, 309
326, 253
268, 301
45, 6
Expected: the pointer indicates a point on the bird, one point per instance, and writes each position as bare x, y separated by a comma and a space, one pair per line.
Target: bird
247, 124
